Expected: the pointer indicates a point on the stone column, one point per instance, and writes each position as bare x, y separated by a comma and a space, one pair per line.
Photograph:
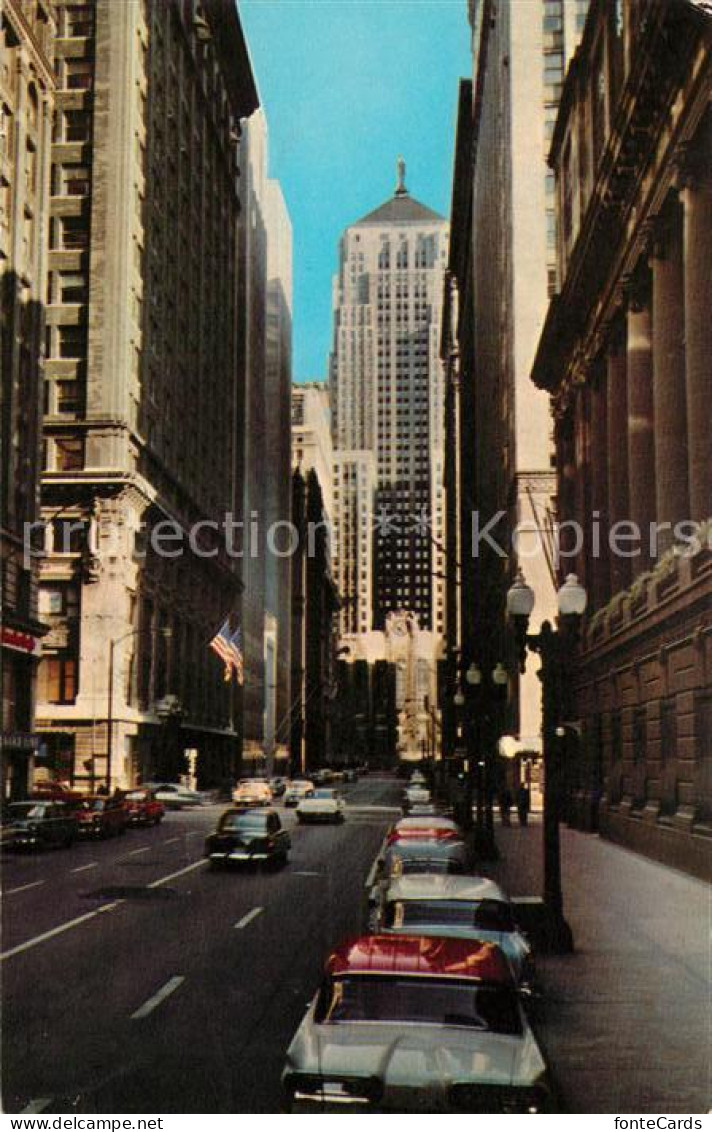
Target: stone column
599, 486
617, 437
641, 447
670, 409
696, 195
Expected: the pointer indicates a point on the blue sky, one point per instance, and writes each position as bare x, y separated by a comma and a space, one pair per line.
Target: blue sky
348, 85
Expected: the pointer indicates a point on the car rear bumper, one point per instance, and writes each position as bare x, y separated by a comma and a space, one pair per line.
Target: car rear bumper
238, 855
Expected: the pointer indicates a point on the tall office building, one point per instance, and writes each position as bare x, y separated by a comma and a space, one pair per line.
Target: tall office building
387, 425
521, 49
144, 393
265, 336
26, 100
387, 415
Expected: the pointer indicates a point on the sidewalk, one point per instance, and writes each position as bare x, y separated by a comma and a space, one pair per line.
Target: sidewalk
626, 1019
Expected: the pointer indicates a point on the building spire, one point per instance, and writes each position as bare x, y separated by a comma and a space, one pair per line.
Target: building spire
401, 190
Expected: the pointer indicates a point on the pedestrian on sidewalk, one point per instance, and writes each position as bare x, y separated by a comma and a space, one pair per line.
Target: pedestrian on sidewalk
523, 804
505, 805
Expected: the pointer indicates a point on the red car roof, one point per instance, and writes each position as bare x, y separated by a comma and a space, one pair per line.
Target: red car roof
424, 833
418, 955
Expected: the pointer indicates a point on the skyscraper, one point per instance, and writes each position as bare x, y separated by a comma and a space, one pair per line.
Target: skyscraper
387, 423
503, 272
143, 389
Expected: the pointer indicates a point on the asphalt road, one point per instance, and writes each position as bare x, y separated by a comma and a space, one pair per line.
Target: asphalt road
137, 980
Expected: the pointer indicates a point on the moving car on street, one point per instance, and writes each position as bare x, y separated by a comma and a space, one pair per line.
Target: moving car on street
248, 837
252, 792
173, 795
98, 816
321, 805
38, 825
455, 907
407, 1024
296, 790
143, 807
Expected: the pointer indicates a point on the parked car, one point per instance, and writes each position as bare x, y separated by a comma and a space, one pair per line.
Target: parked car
173, 795
411, 858
321, 805
350, 774
455, 906
323, 776
297, 789
39, 824
248, 837
143, 807
252, 792
415, 796
412, 1025
428, 828
99, 816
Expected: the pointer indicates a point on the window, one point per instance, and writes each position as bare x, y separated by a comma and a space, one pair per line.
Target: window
57, 680
68, 454
73, 181
78, 74
73, 232
77, 125
78, 21
72, 287
68, 399
72, 341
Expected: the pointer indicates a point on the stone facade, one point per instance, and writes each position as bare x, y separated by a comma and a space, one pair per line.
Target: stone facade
626, 355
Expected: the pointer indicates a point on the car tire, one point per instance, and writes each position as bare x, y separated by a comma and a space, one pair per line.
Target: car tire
68, 841
121, 830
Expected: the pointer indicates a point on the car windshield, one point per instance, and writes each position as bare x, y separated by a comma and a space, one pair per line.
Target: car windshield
20, 811
233, 823
442, 1002
403, 866
489, 915
137, 796
327, 795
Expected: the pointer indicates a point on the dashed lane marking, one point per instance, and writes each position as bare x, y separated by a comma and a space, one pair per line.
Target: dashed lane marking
178, 873
83, 868
59, 930
37, 1105
143, 849
156, 999
24, 887
248, 918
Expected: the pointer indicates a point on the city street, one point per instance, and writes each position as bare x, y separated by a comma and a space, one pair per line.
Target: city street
85, 1028
176, 989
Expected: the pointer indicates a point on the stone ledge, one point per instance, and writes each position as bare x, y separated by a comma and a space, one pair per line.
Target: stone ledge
676, 847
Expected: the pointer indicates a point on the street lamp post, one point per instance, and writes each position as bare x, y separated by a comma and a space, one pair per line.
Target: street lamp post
555, 648
484, 753
167, 633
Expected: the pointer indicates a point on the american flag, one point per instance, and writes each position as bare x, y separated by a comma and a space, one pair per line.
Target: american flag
228, 647
238, 660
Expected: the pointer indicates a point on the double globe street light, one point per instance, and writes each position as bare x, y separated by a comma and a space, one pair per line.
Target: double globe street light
556, 648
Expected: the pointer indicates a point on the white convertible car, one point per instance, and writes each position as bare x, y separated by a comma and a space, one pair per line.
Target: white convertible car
412, 1024
322, 805
455, 906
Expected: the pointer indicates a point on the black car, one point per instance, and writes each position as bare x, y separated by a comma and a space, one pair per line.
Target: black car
38, 825
248, 836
